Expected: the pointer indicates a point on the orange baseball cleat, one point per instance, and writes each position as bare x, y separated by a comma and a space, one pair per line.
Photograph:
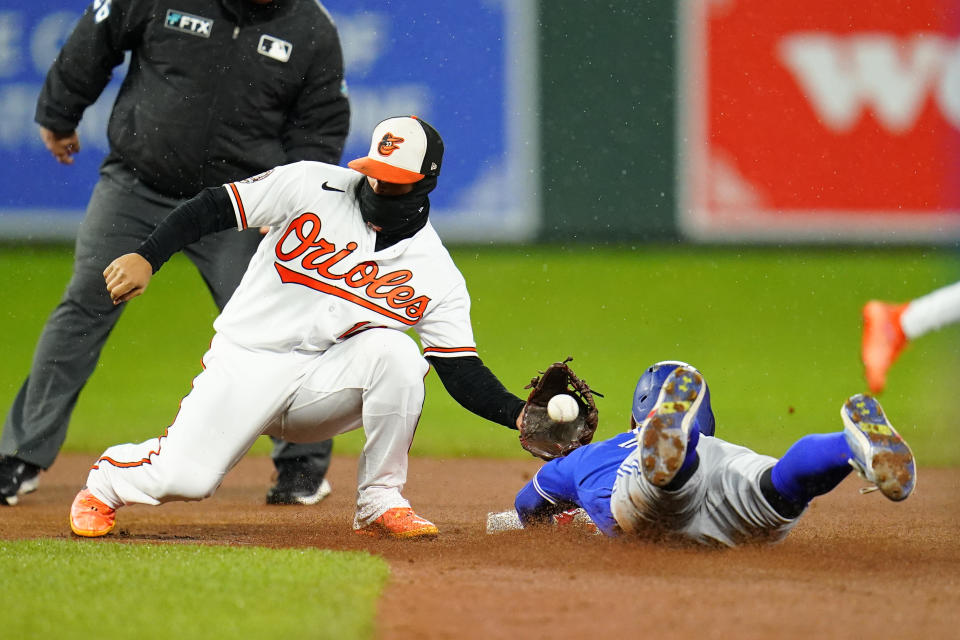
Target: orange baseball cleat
883, 340
89, 517
400, 522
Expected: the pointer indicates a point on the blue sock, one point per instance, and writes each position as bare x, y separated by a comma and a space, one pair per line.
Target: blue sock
690, 463
813, 466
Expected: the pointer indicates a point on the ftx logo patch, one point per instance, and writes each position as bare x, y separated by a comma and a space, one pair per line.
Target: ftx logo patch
274, 48
194, 25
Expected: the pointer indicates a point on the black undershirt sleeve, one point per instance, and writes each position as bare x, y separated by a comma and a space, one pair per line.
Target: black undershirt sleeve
208, 212
473, 385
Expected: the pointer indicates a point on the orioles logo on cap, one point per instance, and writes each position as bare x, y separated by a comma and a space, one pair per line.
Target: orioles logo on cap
388, 144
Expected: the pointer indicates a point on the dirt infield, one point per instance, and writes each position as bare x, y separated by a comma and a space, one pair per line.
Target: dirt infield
855, 566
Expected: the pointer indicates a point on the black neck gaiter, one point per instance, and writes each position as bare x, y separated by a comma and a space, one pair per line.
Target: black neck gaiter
398, 217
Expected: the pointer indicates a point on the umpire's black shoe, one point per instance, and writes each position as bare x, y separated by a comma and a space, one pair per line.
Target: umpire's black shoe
17, 477
295, 485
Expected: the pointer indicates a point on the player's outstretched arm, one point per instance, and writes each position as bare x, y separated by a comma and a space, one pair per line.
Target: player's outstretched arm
127, 277
532, 505
532, 508
478, 390
208, 212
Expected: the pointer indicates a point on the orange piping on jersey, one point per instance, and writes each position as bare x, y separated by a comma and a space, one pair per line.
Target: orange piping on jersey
360, 327
236, 195
138, 463
142, 461
417, 424
354, 329
290, 276
449, 350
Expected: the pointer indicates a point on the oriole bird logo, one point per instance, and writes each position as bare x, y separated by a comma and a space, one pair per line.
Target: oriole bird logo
388, 144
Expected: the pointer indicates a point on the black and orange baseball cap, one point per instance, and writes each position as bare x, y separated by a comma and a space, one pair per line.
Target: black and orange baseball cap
403, 150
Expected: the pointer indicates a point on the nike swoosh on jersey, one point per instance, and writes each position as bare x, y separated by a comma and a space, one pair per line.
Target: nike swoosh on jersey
327, 187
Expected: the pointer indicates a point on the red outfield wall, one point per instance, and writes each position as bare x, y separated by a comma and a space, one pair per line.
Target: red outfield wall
819, 120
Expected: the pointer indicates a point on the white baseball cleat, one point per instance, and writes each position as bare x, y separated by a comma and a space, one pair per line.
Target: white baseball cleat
665, 435
880, 455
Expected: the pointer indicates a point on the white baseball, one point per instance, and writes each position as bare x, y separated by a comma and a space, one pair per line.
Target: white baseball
563, 408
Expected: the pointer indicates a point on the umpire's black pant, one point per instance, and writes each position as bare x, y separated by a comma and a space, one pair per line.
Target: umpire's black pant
121, 213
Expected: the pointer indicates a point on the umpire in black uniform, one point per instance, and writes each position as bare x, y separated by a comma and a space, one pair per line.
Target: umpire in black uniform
217, 91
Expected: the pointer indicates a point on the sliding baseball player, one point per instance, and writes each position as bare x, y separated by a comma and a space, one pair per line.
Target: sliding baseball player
670, 478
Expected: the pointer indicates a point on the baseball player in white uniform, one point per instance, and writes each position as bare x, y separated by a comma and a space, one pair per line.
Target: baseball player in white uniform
669, 477
888, 327
313, 342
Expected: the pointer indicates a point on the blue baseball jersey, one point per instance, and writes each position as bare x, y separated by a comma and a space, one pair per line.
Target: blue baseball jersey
584, 478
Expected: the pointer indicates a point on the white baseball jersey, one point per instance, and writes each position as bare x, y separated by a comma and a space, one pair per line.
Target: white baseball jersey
333, 283
281, 363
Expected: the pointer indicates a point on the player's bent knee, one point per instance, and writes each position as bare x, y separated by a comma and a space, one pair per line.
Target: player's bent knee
399, 358
192, 484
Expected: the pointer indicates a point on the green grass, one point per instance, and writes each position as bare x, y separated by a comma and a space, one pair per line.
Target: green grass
775, 330
69, 589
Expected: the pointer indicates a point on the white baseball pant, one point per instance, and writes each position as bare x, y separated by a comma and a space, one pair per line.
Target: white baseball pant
721, 504
932, 311
373, 380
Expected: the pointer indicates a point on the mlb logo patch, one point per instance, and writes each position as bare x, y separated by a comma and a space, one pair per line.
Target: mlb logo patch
187, 23
274, 48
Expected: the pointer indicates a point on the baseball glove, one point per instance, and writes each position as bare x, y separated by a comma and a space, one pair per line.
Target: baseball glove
547, 438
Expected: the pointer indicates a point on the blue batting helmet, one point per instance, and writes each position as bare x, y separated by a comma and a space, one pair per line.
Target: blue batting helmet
648, 389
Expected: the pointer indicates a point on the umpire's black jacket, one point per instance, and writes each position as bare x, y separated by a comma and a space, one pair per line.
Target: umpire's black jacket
216, 91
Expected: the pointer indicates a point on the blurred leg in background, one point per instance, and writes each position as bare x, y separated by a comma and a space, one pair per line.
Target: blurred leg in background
888, 327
